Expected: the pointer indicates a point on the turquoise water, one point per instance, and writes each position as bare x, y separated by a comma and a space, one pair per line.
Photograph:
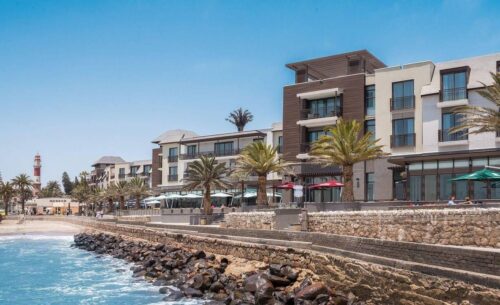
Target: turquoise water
45, 270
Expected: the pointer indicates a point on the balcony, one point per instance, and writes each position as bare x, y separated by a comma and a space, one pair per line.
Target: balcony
444, 135
173, 178
403, 140
403, 103
318, 119
221, 153
453, 97
173, 158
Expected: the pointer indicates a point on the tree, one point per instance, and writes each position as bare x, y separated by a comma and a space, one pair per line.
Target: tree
477, 119
240, 118
138, 189
206, 174
52, 189
343, 146
7, 191
260, 159
81, 193
109, 195
75, 182
120, 191
67, 184
23, 185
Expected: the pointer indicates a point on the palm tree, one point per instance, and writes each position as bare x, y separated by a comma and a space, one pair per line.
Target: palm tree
481, 119
52, 189
109, 195
138, 189
81, 193
207, 174
23, 185
260, 159
120, 191
343, 146
7, 191
240, 118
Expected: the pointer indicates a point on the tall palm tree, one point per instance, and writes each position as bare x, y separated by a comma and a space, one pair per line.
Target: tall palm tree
7, 191
23, 185
138, 189
240, 118
343, 146
120, 191
206, 174
81, 193
260, 159
109, 195
477, 119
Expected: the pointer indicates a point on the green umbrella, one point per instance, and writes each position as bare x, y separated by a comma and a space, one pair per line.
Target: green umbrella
481, 175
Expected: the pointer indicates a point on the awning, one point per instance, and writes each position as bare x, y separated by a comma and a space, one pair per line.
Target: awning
328, 184
221, 195
173, 196
285, 186
161, 197
480, 175
254, 194
191, 196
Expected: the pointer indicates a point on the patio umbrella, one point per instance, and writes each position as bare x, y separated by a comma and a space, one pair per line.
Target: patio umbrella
221, 195
284, 186
161, 197
191, 196
327, 184
152, 202
480, 175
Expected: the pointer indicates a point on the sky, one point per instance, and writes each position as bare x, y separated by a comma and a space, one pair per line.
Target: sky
83, 79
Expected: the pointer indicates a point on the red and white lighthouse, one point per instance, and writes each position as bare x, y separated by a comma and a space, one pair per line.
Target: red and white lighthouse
37, 175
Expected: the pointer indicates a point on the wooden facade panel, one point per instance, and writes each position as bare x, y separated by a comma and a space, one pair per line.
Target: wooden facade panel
156, 164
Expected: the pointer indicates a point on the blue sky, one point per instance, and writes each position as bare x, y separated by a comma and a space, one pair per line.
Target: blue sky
82, 79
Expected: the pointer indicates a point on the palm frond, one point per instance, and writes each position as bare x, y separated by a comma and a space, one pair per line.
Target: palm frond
240, 118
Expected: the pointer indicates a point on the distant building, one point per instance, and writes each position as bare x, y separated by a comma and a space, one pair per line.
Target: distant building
109, 170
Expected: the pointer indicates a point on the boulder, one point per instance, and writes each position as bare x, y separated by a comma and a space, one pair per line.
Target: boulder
264, 291
192, 293
312, 291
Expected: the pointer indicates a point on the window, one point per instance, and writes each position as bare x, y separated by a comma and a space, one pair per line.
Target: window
461, 163
370, 127
223, 149
172, 173
454, 85
498, 66
370, 100
191, 150
480, 190
449, 121
480, 162
280, 144
121, 173
133, 170
445, 186
445, 164
402, 95
172, 151
430, 165
415, 188
369, 186
402, 133
321, 108
430, 187
147, 170
313, 136
461, 189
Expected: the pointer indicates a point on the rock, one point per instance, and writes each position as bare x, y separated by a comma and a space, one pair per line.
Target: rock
166, 290
200, 254
275, 269
278, 281
250, 283
289, 273
322, 299
312, 291
192, 293
174, 296
264, 291
216, 287
284, 298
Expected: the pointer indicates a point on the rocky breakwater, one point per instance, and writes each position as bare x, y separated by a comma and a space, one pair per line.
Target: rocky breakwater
194, 274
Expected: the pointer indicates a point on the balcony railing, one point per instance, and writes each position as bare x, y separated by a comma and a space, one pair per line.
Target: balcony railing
453, 94
219, 153
445, 135
308, 114
173, 177
403, 102
173, 158
121, 176
403, 140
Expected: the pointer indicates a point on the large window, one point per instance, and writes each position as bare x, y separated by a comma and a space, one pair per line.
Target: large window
370, 100
147, 170
449, 121
430, 187
172, 154
172, 173
402, 95
370, 127
121, 173
454, 85
280, 144
191, 150
327, 107
313, 136
223, 149
403, 133
445, 186
415, 188
480, 190
370, 181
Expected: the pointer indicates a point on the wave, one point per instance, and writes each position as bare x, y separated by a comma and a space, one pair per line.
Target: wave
36, 237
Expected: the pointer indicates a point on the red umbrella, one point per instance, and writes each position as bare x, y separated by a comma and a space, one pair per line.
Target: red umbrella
285, 186
327, 184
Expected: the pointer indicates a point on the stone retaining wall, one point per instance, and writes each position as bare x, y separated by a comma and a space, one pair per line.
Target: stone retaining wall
251, 220
376, 283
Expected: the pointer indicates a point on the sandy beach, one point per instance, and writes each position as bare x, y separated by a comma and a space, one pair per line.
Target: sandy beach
11, 227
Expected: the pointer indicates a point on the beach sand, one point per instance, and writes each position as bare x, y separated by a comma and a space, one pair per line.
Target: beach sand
11, 227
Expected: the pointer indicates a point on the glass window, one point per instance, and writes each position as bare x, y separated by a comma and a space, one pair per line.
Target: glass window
449, 121
399, 186
402, 95
415, 188
461, 189
495, 190
191, 150
403, 132
370, 100
415, 166
313, 136
280, 144
172, 170
480, 190
321, 108
430, 187
480, 162
172, 151
133, 170
370, 127
461, 163
446, 164
147, 169
494, 161
223, 149
121, 172
445, 186
430, 165
370, 180
454, 86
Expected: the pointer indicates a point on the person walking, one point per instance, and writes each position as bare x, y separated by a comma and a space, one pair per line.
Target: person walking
452, 200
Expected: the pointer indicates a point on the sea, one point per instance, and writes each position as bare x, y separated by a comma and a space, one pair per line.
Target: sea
46, 270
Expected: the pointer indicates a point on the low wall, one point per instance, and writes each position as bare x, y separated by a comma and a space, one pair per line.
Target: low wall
251, 220
373, 283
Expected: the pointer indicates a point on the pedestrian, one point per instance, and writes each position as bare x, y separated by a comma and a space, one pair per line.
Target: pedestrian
468, 200
452, 200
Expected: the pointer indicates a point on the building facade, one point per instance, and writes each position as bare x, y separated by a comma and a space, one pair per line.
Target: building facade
178, 148
110, 170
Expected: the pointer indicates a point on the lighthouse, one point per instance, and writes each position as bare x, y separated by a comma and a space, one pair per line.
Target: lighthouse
37, 172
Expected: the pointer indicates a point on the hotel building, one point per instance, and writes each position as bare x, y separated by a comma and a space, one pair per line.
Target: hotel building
178, 148
408, 108
110, 170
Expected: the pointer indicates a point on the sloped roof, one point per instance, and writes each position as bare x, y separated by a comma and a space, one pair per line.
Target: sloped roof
108, 160
175, 135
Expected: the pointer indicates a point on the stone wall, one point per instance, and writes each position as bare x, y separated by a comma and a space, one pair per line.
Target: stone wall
462, 227
251, 220
371, 282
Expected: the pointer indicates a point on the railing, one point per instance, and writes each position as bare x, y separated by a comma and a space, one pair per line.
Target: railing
173, 158
403, 102
228, 152
445, 135
173, 177
453, 94
307, 114
403, 140
121, 176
